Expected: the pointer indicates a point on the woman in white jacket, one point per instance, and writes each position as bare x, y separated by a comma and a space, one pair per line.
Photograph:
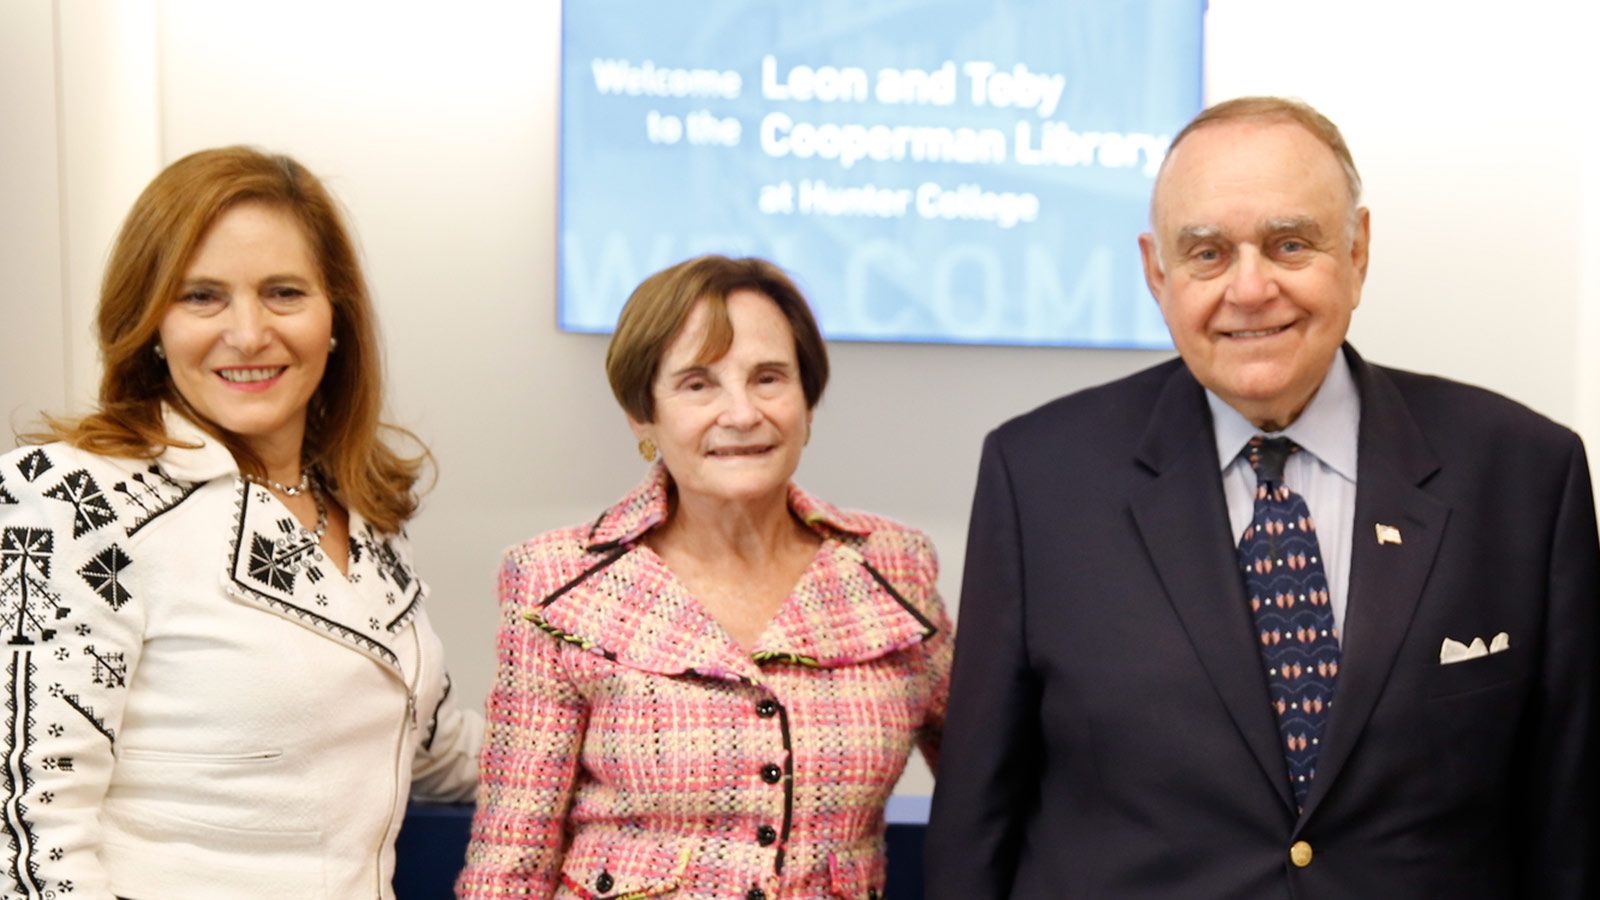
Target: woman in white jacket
219, 678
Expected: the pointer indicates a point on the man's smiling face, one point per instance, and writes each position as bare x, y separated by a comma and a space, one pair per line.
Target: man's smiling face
1257, 261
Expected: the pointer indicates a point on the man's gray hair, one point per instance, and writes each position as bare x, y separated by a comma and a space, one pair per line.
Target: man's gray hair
1282, 109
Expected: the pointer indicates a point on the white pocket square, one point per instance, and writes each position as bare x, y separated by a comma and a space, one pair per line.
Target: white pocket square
1455, 651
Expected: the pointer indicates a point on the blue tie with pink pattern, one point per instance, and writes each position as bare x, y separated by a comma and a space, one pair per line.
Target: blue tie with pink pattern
1288, 589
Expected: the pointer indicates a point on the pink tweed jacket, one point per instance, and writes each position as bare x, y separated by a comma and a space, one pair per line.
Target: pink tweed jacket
634, 751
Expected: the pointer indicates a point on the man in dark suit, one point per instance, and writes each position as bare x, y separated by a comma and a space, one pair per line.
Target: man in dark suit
1269, 620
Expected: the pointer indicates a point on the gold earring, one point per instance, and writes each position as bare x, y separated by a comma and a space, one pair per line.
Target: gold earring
647, 449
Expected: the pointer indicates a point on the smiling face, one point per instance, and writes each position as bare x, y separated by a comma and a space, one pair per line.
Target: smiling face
1255, 263
246, 340
731, 430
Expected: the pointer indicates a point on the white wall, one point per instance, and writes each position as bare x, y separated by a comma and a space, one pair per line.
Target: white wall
1464, 122
1586, 414
437, 129
32, 342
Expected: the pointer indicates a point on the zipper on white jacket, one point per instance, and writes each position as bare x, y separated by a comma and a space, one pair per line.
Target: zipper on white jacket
399, 751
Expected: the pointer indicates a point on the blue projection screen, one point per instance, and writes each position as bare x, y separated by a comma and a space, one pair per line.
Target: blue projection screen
928, 170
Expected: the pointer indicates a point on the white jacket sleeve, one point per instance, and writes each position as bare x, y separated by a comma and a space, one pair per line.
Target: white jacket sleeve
444, 765
445, 769
71, 626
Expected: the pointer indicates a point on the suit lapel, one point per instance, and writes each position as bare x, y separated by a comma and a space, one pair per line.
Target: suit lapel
843, 612
1183, 519
1386, 579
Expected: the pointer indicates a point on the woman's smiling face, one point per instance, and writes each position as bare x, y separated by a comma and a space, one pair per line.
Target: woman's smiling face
731, 429
247, 338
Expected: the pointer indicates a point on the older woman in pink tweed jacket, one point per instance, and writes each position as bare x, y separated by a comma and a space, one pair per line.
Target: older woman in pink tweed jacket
712, 689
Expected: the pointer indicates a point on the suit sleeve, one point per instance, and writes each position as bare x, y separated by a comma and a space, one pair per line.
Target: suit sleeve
989, 766
72, 620
536, 720
1556, 826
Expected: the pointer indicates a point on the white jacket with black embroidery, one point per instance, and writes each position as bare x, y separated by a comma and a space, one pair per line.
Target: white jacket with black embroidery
198, 704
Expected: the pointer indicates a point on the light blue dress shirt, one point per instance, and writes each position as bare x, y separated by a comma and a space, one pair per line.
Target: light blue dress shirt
1324, 472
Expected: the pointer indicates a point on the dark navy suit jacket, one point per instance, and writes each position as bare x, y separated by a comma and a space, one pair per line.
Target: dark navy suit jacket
1109, 731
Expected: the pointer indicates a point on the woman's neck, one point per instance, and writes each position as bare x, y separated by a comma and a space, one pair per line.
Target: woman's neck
750, 531
280, 456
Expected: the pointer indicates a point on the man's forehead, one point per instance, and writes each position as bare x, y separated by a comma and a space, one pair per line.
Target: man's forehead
1243, 165
1226, 139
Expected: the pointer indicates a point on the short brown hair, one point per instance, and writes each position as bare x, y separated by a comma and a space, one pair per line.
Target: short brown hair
157, 242
658, 308
1286, 109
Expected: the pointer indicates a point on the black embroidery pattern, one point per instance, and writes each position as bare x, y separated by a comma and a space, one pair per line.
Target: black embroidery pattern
399, 621
88, 713
384, 557
255, 559
15, 745
110, 669
102, 573
433, 723
5, 495
265, 566
92, 508
337, 629
33, 465
390, 565
26, 601
153, 494
274, 562
392, 569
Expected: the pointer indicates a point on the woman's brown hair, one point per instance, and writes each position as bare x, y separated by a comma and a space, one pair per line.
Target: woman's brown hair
344, 438
658, 308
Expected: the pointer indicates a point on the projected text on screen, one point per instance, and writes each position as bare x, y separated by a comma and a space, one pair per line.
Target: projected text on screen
928, 171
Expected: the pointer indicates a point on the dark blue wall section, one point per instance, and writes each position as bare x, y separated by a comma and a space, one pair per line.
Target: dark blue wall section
430, 850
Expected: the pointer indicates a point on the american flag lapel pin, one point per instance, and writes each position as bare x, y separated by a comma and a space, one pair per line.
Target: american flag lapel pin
1388, 534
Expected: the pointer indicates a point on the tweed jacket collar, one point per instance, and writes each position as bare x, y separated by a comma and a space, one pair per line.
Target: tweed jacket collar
628, 606
646, 506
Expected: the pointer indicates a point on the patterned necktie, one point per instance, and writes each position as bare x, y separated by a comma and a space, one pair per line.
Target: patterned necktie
1288, 588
